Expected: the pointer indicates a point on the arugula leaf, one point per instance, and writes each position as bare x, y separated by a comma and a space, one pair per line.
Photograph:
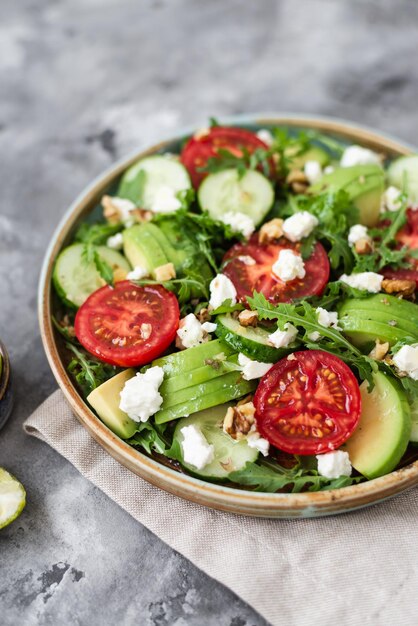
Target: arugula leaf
334, 146
96, 234
228, 307
151, 437
103, 268
225, 159
88, 371
213, 122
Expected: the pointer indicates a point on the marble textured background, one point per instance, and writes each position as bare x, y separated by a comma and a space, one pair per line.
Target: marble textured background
83, 82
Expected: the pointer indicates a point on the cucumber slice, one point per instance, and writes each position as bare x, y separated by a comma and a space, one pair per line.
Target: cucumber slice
12, 498
193, 358
225, 191
381, 438
74, 279
362, 332
105, 401
197, 376
253, 342
405, 169
230, 455
142, 249
223, 389
142, 181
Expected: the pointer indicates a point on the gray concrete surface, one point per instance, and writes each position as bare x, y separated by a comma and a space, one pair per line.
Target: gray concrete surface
82, 82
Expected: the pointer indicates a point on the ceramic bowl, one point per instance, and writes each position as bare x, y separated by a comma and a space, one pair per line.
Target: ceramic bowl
212, 495
6, 396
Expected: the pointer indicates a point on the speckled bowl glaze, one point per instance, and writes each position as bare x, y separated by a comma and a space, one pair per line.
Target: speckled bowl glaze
6, 396
212, 495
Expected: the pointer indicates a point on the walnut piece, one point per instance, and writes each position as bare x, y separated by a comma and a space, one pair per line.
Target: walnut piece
363, 246
248, 318
240, 420
271, 230
399, 287
203, 315
142, 215
297, 181
165, 272
379, 351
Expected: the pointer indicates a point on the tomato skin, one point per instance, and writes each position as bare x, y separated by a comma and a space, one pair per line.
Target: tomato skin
407, 236
110, 323
198, 150
259, 277
308, 404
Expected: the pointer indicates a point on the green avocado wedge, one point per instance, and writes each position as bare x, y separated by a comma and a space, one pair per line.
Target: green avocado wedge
382, 436
142, 249
105, 401
194, 358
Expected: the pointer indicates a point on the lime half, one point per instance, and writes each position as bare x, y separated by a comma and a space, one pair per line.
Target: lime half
12, 498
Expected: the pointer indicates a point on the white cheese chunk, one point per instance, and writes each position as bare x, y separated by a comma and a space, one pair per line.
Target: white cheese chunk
123, 207
334, 464
406, 360
137, 273
327, 318
312, 171
165, 200
265, 135
246, 259
357, 232
239, 222
356, 155
391, 199
221, 288
209, 327
299, 225
140, 397
366, 281
115, 242
288, 266
314, 335
252, 369
283, 338
191, 332
196, 449
259, 443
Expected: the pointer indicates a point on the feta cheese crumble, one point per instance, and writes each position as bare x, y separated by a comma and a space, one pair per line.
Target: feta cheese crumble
356, 155
299, 225
191, 332
196, 449
391, 199
254, 440
265, 135
312, 171
140, 397
221, 288
115, 242
366, 281
334, 464
119, 208
283, 338
406, 360
165, 200
357, 232
137, 273
252, 369
239, 222
327, 318
288, 266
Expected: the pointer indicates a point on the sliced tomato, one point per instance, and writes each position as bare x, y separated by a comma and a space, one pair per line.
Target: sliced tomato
407, 236
127, 325
259, 276
200, 148
308, 403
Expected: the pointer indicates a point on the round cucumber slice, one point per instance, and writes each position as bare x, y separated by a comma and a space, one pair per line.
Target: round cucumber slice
74, 279
253, 342
143, 180
381, 438
405, 170
12, 498
229, 455
225, 192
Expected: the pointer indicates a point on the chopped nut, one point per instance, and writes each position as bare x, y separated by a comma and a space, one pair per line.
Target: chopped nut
146, 330
399, 287
379, 351
363, 246
66, 325
165, 272
248, 318
119, 274
141, 215
240, 420
271, 230
298, 181
299, 188
245, 400
203, 315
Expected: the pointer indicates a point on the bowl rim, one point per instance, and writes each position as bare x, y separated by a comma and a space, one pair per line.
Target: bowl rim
213, 495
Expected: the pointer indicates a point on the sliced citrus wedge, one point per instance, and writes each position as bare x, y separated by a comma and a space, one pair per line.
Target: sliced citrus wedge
12, 498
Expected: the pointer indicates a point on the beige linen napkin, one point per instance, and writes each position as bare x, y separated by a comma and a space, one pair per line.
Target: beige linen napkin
358, 568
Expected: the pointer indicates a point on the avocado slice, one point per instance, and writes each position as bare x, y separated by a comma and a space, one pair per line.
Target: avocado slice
184, 248
363, 183
193, 358
313, 154
381, 438
142, 249
363, 332
105, 401
197, 376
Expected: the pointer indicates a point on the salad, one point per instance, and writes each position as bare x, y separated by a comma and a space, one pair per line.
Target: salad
243, 309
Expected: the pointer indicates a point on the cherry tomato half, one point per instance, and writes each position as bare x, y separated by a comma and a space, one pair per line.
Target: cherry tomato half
308, 403
407, 236
199, 149
259, 276
127, 325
